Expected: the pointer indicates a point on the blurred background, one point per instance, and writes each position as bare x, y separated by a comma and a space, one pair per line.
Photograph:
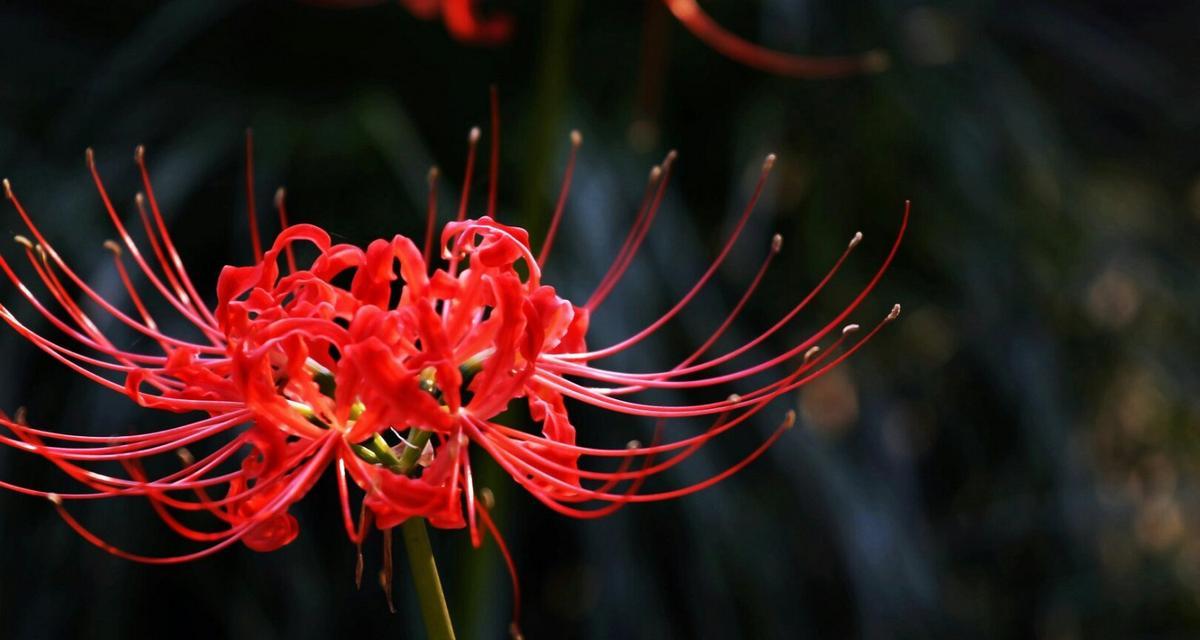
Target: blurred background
1018, 457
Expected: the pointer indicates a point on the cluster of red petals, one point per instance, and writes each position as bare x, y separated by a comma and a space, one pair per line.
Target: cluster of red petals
324, 355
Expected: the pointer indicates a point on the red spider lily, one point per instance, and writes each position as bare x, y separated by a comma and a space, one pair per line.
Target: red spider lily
388, 368
462, 18
691, 16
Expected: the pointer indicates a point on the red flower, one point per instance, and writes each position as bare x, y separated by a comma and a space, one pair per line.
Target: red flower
387, 368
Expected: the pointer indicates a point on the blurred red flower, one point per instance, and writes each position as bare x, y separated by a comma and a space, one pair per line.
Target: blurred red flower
466, 23
463, 19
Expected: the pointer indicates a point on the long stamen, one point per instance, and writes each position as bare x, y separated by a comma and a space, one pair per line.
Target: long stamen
193, 298
712, 269
251, 213
576, 141
215, 337
115, 249
656, 187
472, 143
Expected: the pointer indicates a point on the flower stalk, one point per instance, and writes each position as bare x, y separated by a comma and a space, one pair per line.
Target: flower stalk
428, 584
426, 581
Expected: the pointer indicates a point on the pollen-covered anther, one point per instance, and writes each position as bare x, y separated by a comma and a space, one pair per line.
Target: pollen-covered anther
8, 189
112, 246
487, 498
856, 239
90, 157
776, 243
433, 175
185, 456
789, 419
23, 241
474, 135
576, 137
733, 398
894, 313
768, 162
139, 153
633, 444
55, 499
849, 329
280, 195
810, 354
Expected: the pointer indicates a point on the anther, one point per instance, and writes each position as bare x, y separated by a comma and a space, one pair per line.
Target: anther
733, 398
427, 455
139, 199
139, 153
576, 138
655, 173
856, 239
633, 444
185, 456
23, 241
670, 159
280, 194
55, 498
894, 313
768, 162
850, 328
433, 175
789, 420
112, 246
90, 156
808, 355
776, 243
487, 498
474, 135
8, 189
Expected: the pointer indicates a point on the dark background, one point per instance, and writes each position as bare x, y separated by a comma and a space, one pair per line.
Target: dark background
1017, 457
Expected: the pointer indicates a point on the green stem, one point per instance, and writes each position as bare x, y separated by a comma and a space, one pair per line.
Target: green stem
426, 581
420, 554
